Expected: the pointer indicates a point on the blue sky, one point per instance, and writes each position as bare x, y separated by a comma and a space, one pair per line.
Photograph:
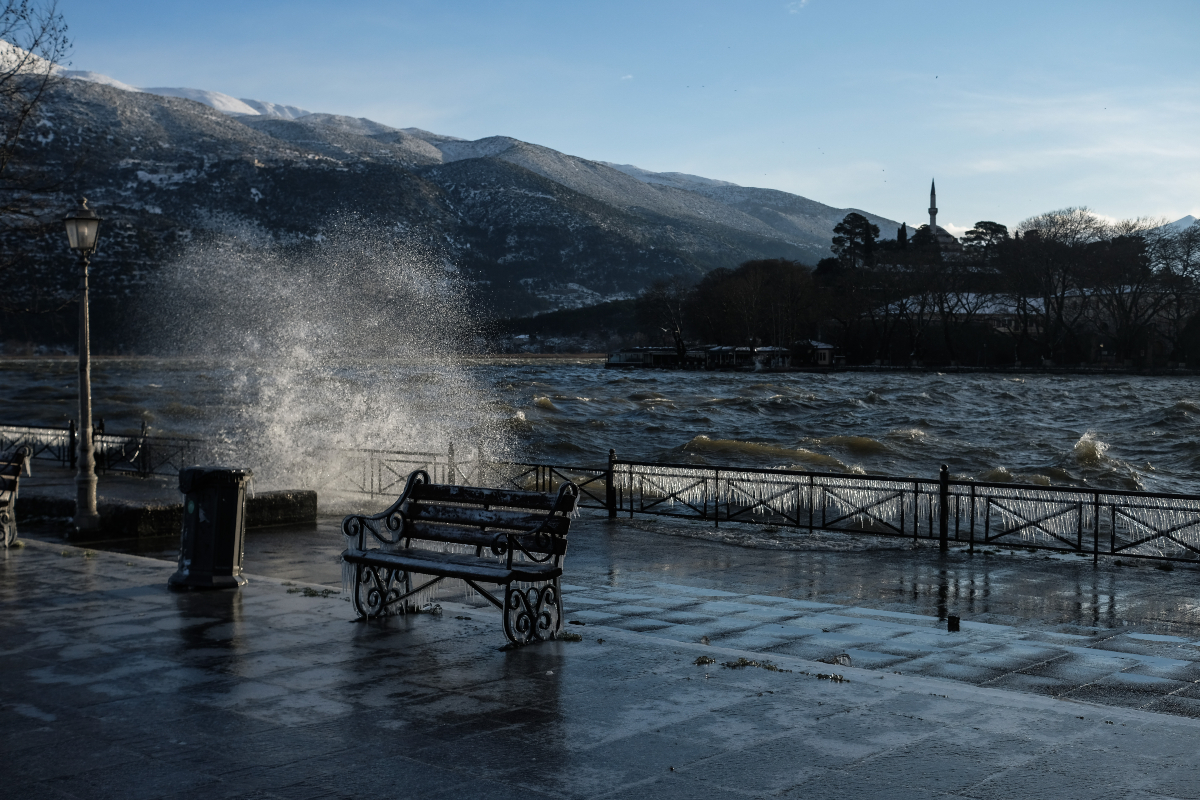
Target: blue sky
1016, 108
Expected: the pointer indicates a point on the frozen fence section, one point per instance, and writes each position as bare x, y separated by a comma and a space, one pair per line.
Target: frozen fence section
1080, 520
824, 501
1095, 522
137, 453
44, 443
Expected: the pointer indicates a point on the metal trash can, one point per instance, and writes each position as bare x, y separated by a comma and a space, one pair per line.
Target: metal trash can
214, 528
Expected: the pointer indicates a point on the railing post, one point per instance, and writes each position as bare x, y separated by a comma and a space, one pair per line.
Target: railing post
610, 486
451, 469
717, 499
944, 509
972, 517
72, 444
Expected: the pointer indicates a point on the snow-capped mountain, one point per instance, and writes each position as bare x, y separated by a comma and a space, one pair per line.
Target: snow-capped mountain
226, 104
535, 228
763, 211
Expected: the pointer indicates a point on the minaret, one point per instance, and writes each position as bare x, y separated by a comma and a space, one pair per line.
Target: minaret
932, 208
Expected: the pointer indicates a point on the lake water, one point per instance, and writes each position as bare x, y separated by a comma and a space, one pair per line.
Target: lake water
1123, 432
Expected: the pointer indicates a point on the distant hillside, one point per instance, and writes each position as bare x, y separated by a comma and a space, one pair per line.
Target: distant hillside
535, 229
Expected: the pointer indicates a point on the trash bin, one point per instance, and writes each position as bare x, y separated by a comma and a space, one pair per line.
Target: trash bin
214, 525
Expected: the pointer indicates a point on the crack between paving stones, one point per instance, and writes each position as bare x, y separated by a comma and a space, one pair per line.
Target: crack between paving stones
1022, 669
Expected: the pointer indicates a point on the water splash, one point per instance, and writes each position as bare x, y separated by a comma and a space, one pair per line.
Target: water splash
323, 347
1090, 451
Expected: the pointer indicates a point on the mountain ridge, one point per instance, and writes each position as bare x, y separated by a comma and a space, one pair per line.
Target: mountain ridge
803, 222
531, 228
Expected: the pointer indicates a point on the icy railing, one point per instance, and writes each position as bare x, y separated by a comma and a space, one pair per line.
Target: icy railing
1091, 521
808, 499
140, 453
531, 477
52, 443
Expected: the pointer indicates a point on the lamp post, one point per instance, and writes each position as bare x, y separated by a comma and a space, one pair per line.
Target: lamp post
83, 225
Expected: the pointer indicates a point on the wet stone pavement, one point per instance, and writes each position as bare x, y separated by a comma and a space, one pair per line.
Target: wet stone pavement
1065, 681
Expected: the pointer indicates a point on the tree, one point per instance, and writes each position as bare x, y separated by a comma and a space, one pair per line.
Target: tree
1176, 254
854, 240
1127, 291
985, 235
33, 41
924, 242
660, 308
765, 302
1045, 272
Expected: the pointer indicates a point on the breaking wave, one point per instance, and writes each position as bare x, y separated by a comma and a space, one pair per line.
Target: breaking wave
738, 452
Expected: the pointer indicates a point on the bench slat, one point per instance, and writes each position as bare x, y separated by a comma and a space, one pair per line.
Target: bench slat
455, 565
483, 497
478, 517
473, 536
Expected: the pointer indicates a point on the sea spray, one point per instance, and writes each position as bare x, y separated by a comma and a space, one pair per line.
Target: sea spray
326, 347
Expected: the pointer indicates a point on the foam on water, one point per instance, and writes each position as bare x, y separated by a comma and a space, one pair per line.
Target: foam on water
733, 450
1089, 450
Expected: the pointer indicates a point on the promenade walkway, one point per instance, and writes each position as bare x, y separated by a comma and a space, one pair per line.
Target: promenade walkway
1055, 687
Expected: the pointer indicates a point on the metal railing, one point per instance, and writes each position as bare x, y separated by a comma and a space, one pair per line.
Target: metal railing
140, 454
1085, 521
45, 443
592, 482
1091, 522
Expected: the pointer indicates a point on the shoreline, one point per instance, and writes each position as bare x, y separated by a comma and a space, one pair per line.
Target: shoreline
1172, 372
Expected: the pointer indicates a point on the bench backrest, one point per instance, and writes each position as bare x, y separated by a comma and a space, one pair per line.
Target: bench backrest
466, 514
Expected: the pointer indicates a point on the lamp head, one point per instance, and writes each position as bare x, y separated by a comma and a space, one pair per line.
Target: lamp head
83, 227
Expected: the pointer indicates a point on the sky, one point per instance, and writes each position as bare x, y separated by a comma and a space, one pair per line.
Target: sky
1016, 108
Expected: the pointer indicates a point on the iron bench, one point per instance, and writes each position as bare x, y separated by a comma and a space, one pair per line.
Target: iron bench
10, 480
482, 536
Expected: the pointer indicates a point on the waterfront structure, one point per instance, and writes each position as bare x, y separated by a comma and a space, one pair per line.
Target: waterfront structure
725, 357
947, 243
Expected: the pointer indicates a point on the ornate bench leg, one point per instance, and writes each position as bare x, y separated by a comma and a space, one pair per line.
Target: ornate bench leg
8, 527
376, 589
533, 613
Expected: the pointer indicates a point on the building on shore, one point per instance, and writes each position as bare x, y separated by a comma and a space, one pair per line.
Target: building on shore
804, 354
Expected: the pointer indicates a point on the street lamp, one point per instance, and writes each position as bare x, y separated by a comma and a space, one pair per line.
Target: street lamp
83, 225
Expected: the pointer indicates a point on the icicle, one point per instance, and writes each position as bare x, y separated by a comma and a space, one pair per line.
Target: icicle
348, 575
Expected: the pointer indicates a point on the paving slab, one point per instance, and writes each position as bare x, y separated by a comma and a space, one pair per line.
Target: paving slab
114, 686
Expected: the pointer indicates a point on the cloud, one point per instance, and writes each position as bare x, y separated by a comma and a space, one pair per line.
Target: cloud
626, 77
795, 6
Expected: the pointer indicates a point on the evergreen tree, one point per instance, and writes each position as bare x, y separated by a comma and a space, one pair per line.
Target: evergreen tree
854, 240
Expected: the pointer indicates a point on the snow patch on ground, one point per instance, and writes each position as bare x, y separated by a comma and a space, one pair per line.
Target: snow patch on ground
482, 148
221, 102
680, 180
276, 109
96, 77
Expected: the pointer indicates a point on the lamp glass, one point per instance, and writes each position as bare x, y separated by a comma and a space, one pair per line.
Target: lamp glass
81, 232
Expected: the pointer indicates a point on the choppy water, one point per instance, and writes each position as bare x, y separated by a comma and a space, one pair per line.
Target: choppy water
1115, 432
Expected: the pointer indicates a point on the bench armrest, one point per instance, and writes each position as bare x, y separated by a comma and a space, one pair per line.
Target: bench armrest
392, 520
509, 542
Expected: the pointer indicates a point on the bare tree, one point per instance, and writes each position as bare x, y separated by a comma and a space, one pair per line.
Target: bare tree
1126, 285
33, 42
1049, 272
1175, 257
660, 308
